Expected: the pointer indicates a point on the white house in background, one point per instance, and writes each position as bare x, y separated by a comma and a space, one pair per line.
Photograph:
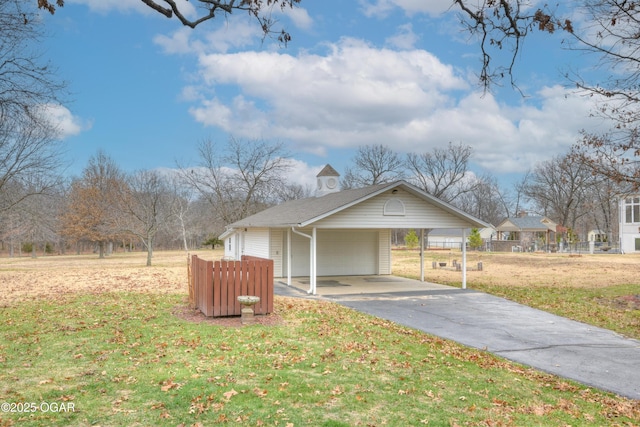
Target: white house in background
452, 238
629, 208
596, 236
340, 232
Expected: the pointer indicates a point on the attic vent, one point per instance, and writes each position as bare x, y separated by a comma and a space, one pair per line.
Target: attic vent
394, 207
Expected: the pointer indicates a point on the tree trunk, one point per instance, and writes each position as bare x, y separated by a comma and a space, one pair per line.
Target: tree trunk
149, 251
101, 250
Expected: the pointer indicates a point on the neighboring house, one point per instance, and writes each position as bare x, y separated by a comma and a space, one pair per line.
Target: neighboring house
596, 236
529, 232
629, 208
452, 238
341, 232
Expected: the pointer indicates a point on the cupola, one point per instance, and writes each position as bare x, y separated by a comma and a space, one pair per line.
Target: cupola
328, 181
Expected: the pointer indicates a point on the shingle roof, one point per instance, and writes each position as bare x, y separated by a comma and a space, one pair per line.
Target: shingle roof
527, 223
303, 212
328, 171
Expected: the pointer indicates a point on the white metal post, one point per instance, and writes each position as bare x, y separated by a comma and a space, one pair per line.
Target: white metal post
313, 260
422, 254
288, 257
464, 258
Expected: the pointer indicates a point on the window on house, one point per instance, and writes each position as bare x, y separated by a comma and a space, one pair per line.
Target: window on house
637, 244
394, 207
632, 209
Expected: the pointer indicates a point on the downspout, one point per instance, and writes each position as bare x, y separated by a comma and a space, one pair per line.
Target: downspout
312, 259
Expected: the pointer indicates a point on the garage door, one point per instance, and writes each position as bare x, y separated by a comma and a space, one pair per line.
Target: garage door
347, 252
339, 253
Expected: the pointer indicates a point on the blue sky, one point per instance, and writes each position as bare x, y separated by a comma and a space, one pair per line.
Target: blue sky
397, 72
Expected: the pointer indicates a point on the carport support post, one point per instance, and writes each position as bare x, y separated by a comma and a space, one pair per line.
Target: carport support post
313, 260
464, 258
422, 254
288, 257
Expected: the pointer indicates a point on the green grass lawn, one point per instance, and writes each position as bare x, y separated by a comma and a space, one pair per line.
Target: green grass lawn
125, 359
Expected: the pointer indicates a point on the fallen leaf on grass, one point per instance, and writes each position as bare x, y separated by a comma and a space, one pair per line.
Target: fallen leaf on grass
229, 394
259, 392
169, 385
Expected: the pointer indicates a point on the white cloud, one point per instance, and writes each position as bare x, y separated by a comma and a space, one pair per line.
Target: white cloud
338, 98
237, 31
300, 18
356, 94
105, 6
381, 8
65, 122
404, 39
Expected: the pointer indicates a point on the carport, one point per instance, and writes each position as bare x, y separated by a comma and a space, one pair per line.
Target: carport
342, 233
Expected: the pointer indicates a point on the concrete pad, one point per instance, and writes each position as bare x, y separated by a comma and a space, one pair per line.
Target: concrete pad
344, 285
593, 356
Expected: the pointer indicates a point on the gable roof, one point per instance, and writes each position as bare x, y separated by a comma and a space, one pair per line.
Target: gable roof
304, 212
527, 223
328, 170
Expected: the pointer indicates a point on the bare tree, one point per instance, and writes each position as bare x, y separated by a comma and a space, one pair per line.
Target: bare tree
30, 160
487, 201
615, 156
241, 179
30, 152
147, 204
27, 82
293, 192
443, 172
558, 188
518, 197
602, 205
373, 164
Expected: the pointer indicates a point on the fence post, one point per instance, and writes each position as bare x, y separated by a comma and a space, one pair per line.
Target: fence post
217, 274
207, 304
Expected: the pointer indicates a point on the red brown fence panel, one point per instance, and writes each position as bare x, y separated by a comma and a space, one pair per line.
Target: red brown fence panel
217, 285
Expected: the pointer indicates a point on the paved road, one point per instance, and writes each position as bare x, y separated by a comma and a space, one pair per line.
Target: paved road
593, 356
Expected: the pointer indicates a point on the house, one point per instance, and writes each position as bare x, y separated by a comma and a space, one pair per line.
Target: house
526, 232
596, 235
452, 238
340, 232
629, 208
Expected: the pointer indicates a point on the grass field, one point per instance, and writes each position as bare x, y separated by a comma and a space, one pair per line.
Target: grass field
105, 342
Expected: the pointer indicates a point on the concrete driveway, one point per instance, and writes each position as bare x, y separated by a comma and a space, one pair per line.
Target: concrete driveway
593, 356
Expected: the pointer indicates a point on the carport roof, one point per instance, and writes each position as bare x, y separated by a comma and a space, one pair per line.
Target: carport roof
303, 212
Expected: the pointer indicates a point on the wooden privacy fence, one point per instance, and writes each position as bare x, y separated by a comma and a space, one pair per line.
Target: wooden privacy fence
214, 287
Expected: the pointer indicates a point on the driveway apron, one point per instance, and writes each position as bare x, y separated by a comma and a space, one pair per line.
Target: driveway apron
593, 356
